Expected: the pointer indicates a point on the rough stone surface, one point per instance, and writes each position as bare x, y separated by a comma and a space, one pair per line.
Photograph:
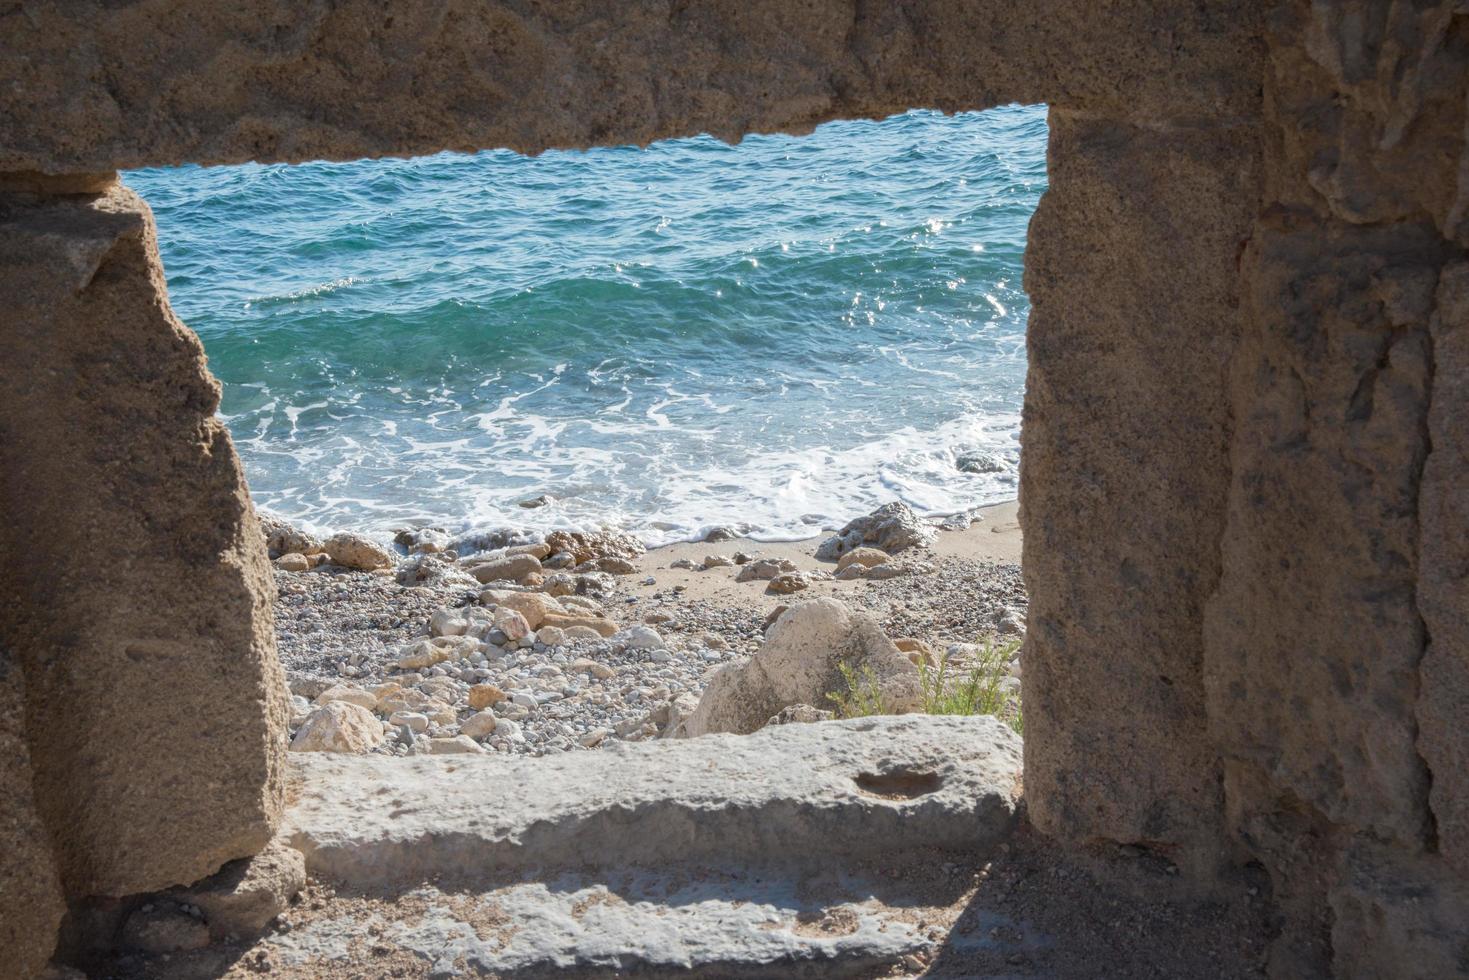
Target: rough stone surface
511, 569
891, 528
163, 929
244, 896
31, 902
1400, 917
799, 663
282, 538
1125, 464
141, 617
96, 89
1443, 585
356, 551
635, 923
786, 796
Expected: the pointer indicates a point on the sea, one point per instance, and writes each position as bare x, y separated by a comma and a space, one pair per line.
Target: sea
778, 335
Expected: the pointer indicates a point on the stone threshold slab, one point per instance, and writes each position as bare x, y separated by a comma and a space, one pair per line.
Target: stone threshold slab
789, 796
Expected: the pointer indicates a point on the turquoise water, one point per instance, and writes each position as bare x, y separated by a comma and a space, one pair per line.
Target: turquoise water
780, 334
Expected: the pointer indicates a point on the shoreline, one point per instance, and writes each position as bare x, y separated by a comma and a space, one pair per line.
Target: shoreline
658, 625
998, 511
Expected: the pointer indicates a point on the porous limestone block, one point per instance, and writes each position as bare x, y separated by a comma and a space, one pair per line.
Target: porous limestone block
1125, 472
88, 88
790, 796
138, 593
1314, 637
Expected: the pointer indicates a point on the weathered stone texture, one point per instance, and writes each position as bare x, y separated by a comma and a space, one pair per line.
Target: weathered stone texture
31, 903
1443, 572
1336, 642
91, 86
1125, 441
1314, 637
137, 594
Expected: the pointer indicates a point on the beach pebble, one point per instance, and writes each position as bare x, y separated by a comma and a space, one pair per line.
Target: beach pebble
640, 638
1012, 623
357, 552
718, 561
513, 710
293, 563
788, 582
511, 623
283, 538
479, 726
411, 720
596, 624
765, 569
510, 569
448, 622
482, 696
862, 556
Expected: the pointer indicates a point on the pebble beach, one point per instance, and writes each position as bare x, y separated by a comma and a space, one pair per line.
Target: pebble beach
421, 656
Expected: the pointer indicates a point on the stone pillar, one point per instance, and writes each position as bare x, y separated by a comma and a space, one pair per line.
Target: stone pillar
1337, 645
137, 596
1131, 269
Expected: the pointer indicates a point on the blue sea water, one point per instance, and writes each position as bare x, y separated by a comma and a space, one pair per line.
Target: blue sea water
782, 334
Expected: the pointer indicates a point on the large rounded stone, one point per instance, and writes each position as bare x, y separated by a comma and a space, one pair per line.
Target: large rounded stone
800, 663
355, 551
338, 726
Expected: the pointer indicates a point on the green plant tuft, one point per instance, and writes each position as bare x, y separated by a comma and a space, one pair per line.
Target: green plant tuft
863, 696
976, 691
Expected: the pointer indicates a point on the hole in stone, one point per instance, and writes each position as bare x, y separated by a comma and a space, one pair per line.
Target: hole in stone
900, 784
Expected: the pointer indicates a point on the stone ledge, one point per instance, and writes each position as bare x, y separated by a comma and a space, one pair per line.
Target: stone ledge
792, 796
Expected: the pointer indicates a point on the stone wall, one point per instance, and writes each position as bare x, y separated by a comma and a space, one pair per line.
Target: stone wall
1244, 472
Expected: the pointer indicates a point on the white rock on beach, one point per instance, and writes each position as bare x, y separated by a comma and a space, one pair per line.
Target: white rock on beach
799, 663
640, 638
511, 623
282, 538
338, 726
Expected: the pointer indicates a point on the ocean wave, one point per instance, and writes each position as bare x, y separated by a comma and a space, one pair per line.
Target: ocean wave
779, 335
